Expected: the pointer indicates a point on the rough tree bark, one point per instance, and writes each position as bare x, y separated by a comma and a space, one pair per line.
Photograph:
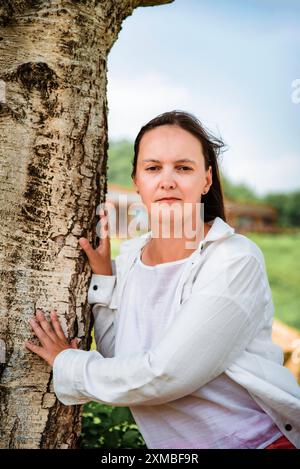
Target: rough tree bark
53, 155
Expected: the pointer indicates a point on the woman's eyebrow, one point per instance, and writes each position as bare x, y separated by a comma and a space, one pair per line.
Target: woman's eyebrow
182, 160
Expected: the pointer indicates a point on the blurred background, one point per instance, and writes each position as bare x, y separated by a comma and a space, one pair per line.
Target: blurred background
234, 65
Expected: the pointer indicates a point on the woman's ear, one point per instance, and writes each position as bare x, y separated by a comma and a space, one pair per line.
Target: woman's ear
135, 185
208, 178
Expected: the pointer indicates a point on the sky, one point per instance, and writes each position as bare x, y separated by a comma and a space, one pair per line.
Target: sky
232, 64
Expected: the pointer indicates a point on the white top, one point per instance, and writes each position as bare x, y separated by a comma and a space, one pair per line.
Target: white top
223, 415
223, 317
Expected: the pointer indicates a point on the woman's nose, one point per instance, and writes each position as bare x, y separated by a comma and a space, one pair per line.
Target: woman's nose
167, 181
167, 185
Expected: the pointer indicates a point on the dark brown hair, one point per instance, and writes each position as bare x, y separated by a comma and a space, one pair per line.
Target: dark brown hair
212, 146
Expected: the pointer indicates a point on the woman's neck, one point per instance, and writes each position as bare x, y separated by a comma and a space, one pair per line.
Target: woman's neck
161, 250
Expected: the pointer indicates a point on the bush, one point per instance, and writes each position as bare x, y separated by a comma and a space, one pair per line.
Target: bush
109, 427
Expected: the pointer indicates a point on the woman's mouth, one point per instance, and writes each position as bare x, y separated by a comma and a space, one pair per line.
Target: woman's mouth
169, 200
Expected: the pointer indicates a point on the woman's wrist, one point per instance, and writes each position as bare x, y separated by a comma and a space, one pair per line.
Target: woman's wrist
107, 271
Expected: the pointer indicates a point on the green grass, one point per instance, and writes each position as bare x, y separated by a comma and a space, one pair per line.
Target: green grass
282, 256
115, 246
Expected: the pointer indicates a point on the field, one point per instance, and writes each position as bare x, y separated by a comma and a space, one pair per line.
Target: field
282, 256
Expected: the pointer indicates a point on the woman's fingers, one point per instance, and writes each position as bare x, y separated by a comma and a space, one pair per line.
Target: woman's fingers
84, 243
36, 349
56, 326
104, 227
40, 333
52, 339
45, 324
99, 258
93, 256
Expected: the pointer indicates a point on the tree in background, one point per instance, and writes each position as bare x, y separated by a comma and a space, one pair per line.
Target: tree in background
120, 156
288, 206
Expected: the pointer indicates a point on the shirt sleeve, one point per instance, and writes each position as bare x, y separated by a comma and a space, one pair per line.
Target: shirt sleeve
102, 288
102, 295
210, 330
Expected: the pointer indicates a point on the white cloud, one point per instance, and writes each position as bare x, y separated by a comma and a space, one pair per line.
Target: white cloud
134, 101
262, 172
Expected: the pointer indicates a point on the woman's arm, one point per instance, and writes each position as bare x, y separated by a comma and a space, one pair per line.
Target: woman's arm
211, 329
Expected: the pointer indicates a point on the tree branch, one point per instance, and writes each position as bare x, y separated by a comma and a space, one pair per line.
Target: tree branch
152, 3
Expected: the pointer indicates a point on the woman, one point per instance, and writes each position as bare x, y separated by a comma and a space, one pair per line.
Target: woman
183, 329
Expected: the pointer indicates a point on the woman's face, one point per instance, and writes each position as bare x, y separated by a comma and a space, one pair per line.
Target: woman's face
160, 173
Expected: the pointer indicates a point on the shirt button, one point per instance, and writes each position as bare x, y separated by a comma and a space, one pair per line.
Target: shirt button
288, 427
95, 287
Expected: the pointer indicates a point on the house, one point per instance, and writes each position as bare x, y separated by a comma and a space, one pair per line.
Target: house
256, 217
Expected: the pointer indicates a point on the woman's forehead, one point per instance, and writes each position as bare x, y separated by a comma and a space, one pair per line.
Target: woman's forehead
170, 142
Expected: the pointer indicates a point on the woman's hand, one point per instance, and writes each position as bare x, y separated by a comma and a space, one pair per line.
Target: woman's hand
99, 258
51, 336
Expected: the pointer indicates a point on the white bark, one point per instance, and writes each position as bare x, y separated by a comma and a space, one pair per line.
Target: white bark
53, 154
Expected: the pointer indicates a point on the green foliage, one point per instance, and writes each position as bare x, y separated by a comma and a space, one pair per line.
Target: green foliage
282, 256
120, 156
238, 192
109, 427
288, 207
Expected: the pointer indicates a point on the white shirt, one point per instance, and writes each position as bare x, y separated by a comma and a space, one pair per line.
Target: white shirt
221, 414
223, 314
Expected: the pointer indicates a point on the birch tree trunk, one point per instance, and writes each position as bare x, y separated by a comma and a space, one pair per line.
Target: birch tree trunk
53, 155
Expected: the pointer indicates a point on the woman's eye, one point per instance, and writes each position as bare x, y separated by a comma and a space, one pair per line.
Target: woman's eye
154, 167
